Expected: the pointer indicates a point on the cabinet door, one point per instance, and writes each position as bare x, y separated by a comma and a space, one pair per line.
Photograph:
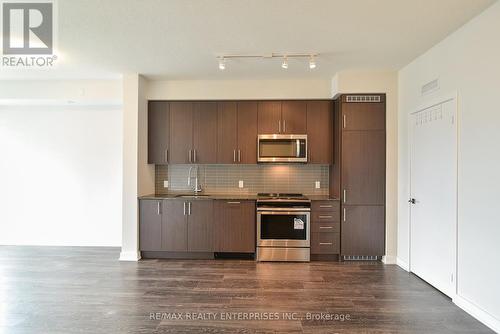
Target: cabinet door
363, 116
363, 230
235, 226
205, 133
294, 117
227, 132
363, 168
150, 213
320, 132
158, 132
200, 226
174, 226
247, 132
181, 132
269, 117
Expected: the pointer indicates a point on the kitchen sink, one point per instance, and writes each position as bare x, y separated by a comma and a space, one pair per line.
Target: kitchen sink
192, 196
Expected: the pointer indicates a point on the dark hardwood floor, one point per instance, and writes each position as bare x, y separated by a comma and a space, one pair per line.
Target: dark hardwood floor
87, 290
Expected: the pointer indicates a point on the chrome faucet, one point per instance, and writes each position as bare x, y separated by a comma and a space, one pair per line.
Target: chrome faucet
197, 185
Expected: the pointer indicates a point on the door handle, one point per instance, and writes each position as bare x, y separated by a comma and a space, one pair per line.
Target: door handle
189, 155
325, 217
345, 215
194, 155
233, 202
165, 155
284, 126
189, 208
184, 208
344, 121
279, 126
158, 210
326, 243
345, 196
239, 155
326, 227
234, 155
325, 206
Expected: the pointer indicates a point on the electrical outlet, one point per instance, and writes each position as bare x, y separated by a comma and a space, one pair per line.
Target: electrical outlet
165, 184
317, 184
240, 184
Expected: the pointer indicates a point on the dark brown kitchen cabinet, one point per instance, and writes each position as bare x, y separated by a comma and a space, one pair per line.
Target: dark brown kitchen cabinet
360, 166
325, 227
181, 132
200, 226
247, 132
150, 221
234, 226
237, 132
363, 167
269, 117
158, 132
363, 230
293, 117
320, 132
174, 226
204, 148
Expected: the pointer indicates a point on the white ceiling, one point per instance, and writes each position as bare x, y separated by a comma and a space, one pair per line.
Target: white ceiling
179, 39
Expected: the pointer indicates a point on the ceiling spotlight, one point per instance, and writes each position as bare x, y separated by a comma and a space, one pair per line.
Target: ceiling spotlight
284, 64
312, 63
222, 64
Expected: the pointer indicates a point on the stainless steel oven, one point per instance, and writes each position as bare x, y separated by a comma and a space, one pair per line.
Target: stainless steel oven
282, 148
283, 229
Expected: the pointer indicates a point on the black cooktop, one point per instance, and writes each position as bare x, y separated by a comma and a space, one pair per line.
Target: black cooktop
281, 196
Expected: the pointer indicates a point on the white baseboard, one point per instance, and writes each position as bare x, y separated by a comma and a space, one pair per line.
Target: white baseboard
130, 256
478, 313
389, 259
402, 264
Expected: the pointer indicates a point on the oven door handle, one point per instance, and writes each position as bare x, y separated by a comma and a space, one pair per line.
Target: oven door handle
281, 212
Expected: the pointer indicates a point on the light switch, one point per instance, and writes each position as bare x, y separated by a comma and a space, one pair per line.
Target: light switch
317, 185
165, 184
240, 184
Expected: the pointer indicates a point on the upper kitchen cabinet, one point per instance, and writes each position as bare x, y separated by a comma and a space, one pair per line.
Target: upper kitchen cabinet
237, 132
181, 132
363, 115
269, 117
293, 117
247, 132
158, 132
282, 117
319, 131
204, 149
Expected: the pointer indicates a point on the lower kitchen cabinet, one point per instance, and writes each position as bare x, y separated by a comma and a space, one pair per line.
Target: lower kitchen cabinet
200, 226
174, 226
325, 227
325, 243
150, 221
363, 230
234, 226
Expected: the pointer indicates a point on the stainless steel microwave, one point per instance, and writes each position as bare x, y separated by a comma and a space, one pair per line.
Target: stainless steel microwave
282, 148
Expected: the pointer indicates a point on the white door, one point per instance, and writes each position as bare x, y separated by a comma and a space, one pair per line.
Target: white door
433, 232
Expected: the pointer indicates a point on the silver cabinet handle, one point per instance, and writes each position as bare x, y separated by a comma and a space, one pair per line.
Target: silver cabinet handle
234, 155
194, 155
325, 217
184, 208
344, 121
279, 126
325, 206
326, 227
189, 208
165, 155
345, 196
189, 155
239, 155
284, 126
344, 215
326, 243
233, 202
158, 210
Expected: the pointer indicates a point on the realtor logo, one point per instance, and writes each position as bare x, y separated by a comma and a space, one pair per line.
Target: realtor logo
28, 33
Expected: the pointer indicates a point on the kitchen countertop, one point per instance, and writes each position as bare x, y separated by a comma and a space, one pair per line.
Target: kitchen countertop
235, 196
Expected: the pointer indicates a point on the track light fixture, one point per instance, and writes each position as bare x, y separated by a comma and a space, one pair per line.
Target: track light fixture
284, 64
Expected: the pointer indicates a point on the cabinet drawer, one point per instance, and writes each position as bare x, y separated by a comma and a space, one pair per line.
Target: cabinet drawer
325, 217
325, 227
325, 243
325, 206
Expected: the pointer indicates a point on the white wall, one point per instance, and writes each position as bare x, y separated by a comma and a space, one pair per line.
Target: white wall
468, 62
237, 89
60, 175
380, 82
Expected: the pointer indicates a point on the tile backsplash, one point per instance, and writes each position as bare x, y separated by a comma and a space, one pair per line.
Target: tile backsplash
218, 179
